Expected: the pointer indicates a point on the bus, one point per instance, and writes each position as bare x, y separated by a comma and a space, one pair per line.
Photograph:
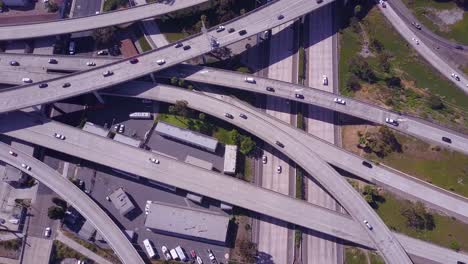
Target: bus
149, 248
140, 115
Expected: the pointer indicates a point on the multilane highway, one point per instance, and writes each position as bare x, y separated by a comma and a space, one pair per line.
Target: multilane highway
433, 196
78, 199
133, 160
407, 124
90, 80
58, 27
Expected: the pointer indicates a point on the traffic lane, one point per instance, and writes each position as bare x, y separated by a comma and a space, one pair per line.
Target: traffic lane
424, 50
64, 62
133, 160
409, 125
68, 191
91, 80
58, 27
338, 187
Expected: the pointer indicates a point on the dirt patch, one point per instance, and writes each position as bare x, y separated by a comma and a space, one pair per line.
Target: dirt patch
349, 134
444, 18
244, 233
373, 94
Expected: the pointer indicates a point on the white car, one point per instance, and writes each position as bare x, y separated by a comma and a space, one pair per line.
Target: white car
264, 159
211, 255
102, 52
220, 28
26, 80
107, 73
59, 136
368, 225
339, 101
24, 165
391, 121
90, 63
279, 169
199, 260
415, 40
147, 206
325, 80
47, 232
153, 160
121, 128
161, 61
166, 253
12, 153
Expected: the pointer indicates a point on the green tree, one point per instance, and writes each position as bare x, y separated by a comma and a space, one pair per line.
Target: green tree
352, 83
181, 82
104, 36
201, 116
417, 216
179, 108
234, 137
52, 7
56, 212
59, 202
455, 245
174, 80
359, 67
435, 103
246, 145
357, 10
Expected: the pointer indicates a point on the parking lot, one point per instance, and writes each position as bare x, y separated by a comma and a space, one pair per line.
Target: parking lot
100, 181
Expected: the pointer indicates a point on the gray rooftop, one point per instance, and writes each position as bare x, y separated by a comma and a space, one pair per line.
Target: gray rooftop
121, 201
94, 129
186, 221
187, 136
127, 140
199, 162
87, 230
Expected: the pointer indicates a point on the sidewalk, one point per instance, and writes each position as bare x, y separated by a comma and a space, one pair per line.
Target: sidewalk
80, 249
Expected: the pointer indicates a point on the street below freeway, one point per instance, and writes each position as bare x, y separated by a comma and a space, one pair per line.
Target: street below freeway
58, 27
236, 192
76, 198
91, 80
424, 50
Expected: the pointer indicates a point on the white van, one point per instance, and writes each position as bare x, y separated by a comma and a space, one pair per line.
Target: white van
181, 253
149, 248
26, 80
249, 79
174, 254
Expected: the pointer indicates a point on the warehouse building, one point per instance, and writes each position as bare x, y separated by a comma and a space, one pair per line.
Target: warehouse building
187, 222
187, 136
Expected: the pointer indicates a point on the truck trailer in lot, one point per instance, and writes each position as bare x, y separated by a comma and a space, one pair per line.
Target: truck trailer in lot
174, 254
181, 253
149, 248
140, 115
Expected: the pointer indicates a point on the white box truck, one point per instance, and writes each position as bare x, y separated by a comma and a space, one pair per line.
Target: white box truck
181, 253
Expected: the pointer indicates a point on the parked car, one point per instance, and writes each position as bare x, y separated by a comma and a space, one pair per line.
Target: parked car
47, 232
43, 85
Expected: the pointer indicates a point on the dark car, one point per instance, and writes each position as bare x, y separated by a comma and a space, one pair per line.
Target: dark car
280, 17
228, 115
243, 116
14, 63
187, 47
319, 1
299, 96
446, 139
270, 89
53, 61
416, 25
43, 85
134, 61
178, 45
367, 164
459, 47
243, 32
231, 30
279, 144
65, 85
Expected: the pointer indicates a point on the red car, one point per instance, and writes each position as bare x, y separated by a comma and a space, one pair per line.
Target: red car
193, 254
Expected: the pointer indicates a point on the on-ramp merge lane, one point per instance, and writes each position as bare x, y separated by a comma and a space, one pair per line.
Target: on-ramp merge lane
34, 30
86, 81
78, 199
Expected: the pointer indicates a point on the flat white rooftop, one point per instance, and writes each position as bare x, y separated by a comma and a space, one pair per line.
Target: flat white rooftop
127, 140
230, 159
186, 221
94, 129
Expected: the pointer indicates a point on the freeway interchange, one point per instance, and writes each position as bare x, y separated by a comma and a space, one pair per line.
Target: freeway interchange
354, 228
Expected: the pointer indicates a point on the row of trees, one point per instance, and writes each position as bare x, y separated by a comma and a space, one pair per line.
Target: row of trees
381, 143
57, 211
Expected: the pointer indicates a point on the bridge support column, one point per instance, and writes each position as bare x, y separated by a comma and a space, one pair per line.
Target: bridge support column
99, 97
